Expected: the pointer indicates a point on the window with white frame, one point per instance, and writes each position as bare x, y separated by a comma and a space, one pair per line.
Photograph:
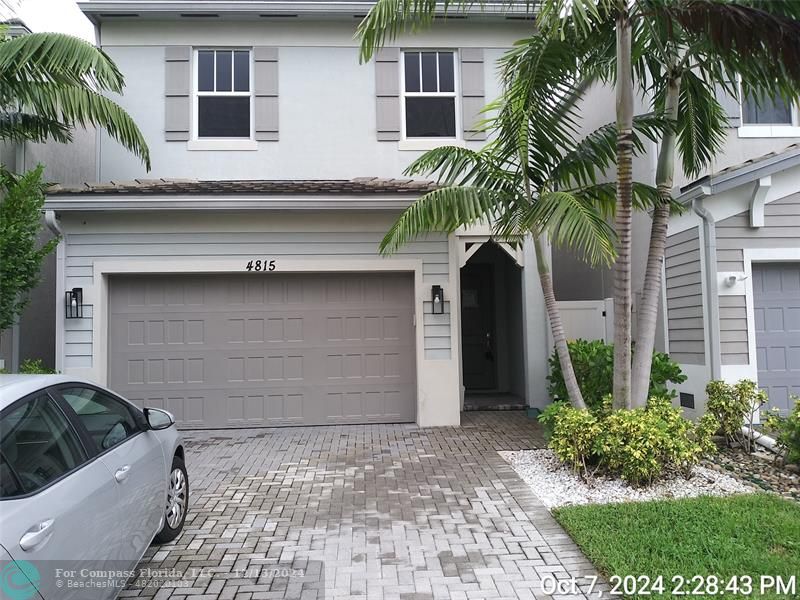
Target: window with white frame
429, 94
767, 111
223, 94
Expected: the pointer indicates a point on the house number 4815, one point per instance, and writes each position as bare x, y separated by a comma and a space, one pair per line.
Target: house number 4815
261, 265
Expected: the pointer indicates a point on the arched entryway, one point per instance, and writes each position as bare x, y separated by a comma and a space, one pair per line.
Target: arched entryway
492, 331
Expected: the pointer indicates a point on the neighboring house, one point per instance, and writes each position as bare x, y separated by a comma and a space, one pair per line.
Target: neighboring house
733, 279
737, 316
34, 335
239, 283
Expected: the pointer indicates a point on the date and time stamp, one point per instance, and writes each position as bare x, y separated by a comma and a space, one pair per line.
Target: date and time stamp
616, 586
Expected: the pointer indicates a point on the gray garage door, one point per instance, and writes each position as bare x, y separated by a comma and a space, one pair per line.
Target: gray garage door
776, 295
265, 349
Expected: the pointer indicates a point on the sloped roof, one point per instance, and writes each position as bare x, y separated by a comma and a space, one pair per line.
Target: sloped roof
260, 187
744, 172
98, 10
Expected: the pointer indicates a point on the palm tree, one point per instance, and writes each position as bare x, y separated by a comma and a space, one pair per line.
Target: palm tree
51, 83
680, 52
694, 49
534, 179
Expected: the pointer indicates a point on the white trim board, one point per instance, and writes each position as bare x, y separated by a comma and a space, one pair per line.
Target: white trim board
728, 203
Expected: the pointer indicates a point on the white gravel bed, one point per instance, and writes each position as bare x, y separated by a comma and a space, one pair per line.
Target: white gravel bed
556, 485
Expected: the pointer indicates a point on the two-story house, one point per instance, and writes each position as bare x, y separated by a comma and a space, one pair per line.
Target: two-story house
239, 283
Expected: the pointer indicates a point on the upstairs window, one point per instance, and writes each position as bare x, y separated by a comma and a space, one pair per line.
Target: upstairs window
429, 94
223, 100
766, 111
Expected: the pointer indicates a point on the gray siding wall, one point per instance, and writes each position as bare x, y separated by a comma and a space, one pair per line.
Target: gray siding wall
209, 237
685, 297
781, 230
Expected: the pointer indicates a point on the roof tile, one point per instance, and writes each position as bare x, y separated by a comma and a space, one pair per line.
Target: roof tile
360, 185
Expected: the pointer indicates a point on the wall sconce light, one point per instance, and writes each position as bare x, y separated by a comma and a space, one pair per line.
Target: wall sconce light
74, 303
732, 280
437, 298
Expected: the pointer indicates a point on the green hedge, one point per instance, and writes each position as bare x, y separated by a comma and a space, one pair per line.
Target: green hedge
593, 362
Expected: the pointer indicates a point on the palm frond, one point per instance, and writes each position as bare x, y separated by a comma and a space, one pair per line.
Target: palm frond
701, 124
80, 106
388, 19
762, 34
455, 165
596, 152
444, 210
645, 198
573, 220
19, 127
57, 58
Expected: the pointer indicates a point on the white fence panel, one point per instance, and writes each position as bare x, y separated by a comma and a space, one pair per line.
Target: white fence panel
588, 319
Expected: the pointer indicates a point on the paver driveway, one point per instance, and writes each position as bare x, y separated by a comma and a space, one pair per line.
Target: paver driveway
370, 511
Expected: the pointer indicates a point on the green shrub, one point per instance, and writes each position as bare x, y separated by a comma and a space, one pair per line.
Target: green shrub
593, 362
733, 406
643, 445
639, 446
548, 417
787, 432
32, 366
36, 366
575, 436
664, 370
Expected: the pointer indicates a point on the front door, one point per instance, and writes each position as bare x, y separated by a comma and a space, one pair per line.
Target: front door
478, 327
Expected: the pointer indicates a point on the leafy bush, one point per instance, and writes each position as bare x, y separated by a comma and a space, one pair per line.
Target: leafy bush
664, 370
593, 362
31, 366
639, 445
575, 436
787, 430
548, 417
733, 406
20, 224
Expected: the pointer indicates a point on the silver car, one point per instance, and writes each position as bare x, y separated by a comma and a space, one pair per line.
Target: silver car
87, 482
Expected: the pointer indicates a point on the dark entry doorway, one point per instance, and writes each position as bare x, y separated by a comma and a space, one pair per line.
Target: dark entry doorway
478, 329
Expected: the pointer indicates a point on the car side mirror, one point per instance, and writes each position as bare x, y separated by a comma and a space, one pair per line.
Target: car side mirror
158, 419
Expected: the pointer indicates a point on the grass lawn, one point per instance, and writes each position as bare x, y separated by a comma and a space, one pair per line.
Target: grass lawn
755, 535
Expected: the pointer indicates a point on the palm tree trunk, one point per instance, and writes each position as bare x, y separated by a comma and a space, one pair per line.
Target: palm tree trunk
648, 308
557, 327
624, 210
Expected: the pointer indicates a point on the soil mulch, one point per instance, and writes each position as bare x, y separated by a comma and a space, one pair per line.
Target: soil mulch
759, 470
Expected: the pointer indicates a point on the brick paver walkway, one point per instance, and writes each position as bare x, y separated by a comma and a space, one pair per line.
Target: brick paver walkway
374, 511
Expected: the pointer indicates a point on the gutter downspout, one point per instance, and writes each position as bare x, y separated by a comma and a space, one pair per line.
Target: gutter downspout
51, 221
712, 297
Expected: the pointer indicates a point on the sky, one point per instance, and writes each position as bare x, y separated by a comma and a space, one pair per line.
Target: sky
61, 16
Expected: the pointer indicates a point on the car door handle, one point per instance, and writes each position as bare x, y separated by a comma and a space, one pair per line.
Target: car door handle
122, 473
36, 535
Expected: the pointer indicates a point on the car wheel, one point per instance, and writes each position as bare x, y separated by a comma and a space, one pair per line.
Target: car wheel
177, 502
